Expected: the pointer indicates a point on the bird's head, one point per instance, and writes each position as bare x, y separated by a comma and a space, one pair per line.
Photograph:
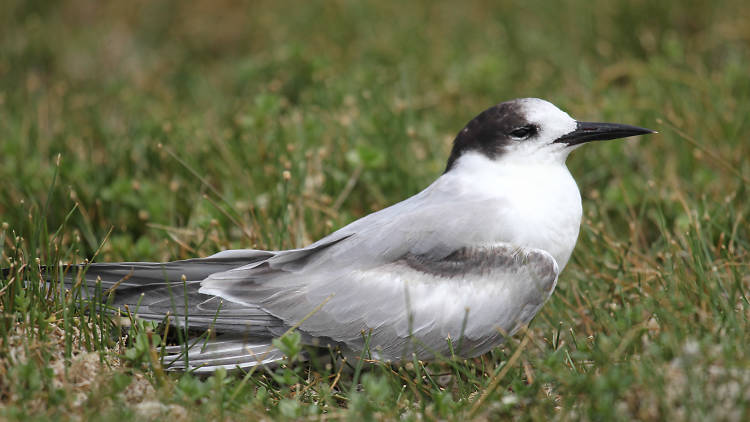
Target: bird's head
530, 130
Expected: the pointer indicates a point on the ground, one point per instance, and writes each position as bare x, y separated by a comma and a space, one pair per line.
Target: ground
165, 130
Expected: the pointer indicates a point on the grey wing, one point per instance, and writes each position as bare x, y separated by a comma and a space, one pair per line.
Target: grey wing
152, 289
408, 304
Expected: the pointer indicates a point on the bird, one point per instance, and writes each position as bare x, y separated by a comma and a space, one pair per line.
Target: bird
451, 271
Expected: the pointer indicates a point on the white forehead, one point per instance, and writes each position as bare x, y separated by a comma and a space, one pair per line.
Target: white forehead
552, 121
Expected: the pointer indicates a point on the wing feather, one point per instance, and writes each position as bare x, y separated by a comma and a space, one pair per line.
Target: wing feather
151, 290
411, 304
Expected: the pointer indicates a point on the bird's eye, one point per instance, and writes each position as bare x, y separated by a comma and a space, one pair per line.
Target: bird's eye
522, 132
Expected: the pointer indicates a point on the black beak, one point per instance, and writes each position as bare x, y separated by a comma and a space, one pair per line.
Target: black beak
591, 131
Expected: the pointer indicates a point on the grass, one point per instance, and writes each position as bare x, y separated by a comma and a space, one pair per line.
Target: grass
166, 130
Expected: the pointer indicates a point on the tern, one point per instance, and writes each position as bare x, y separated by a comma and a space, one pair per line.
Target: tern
454, 269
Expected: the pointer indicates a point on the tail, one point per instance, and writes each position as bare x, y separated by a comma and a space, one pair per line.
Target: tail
229, 352
169, 292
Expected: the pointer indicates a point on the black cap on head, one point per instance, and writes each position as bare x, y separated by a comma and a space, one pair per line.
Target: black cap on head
491, 131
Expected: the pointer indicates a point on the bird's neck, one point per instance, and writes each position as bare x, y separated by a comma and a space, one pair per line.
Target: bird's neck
535, 204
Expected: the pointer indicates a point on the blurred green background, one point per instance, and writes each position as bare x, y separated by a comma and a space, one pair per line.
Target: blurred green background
240, 91
176, 122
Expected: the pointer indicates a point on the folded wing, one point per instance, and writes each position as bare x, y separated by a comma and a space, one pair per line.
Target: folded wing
412, 304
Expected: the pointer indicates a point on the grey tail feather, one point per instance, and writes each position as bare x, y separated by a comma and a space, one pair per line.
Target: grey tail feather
154, 290
143, 274
228, 352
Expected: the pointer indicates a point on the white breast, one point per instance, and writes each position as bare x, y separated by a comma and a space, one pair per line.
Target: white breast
536, 205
